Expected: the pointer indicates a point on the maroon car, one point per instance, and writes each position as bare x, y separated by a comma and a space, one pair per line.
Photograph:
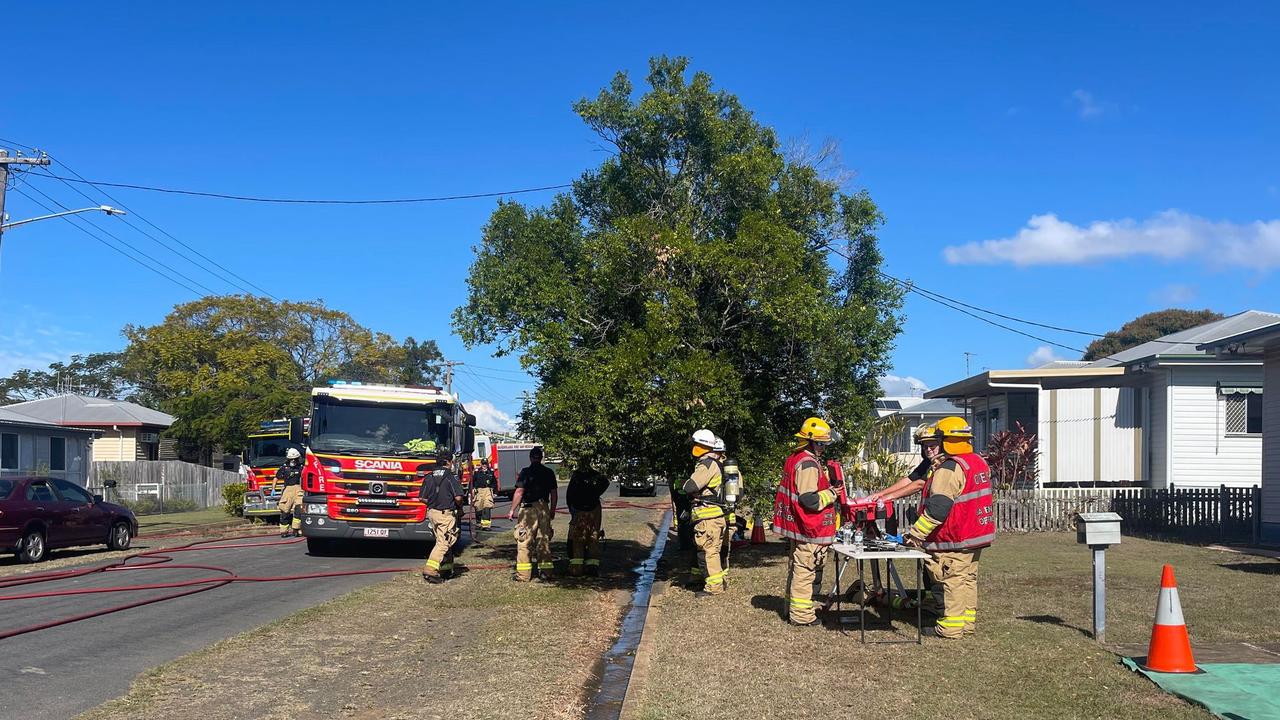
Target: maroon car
39, 514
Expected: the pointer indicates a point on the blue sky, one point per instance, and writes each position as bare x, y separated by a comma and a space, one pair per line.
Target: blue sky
1122, 156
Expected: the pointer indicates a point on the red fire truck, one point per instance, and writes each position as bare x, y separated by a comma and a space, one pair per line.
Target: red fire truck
365, 446
263, 456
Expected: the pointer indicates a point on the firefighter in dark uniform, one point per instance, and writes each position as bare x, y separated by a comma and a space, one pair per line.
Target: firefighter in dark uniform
483, 483
442, 493
586, 485
290, 506
535, 501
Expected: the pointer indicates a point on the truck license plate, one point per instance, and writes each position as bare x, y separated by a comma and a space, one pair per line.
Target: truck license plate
376, 532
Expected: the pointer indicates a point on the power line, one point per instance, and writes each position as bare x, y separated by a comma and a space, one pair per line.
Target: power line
497, 378
308, 201
104, 242
501, 370
910, 287
228, 275
229, 279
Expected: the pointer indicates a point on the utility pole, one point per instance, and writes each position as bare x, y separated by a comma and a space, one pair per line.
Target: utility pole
5, 162
448, 374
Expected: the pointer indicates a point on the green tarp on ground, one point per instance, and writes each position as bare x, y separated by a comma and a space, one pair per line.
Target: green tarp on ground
1235, 691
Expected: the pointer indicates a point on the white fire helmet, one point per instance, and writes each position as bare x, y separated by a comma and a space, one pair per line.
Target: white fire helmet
293, 454
708, 440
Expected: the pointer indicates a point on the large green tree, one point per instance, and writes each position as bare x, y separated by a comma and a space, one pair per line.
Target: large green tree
1146, 328
686, 282
222, 364
95, 374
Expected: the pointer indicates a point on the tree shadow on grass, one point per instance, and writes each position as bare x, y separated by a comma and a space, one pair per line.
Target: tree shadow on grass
1255, 568
1055, 620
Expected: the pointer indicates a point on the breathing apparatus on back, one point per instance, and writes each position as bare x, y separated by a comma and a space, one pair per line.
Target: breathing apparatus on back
731, 484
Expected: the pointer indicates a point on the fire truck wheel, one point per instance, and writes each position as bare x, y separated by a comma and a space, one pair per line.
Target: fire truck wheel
319, 547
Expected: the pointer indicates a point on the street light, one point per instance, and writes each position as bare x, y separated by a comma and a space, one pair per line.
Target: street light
103, 208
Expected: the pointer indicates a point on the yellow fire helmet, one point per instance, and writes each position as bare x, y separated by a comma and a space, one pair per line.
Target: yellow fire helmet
924, 434
956, 435
815, 429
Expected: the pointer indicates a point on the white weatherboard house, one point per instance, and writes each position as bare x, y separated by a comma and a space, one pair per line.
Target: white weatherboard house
1262, 412
1164, 413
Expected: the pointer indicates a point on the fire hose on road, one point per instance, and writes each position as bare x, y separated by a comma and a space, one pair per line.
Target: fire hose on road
162, 559
158, 559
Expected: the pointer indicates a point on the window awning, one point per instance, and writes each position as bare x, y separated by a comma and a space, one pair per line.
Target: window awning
1239, 389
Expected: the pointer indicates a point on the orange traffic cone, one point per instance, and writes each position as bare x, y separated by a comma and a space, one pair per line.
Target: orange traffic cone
757, 534
1170, 648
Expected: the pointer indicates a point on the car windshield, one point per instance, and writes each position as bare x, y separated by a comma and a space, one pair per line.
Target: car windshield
268, 451
345, 426
6, 488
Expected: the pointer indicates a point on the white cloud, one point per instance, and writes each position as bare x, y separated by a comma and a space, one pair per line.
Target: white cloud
489, 417
1042, 355
29, 340
1169, 235
1087, 105
1174, 295
896, 386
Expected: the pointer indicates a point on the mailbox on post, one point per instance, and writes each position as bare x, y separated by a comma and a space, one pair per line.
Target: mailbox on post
1099, 530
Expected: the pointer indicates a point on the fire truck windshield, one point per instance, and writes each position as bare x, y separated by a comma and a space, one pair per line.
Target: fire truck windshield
343, 426
268, 451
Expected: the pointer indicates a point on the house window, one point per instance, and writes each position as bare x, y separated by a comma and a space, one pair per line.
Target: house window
57, 453
8, 451
1243, 413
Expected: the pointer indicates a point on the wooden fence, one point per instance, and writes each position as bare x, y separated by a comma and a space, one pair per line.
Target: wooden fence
1223, 514
157, 486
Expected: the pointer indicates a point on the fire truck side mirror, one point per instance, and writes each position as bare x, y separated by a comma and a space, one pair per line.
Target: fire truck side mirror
469, 441
297, 434
471, 420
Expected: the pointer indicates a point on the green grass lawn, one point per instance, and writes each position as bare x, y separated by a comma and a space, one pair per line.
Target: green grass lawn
177, 521
1032, 656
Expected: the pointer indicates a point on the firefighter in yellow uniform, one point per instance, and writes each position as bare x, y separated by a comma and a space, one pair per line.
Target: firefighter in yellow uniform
956, 522
930, 458
442, 493
709, 523
535, 500
482, 484
290, 504
805, 513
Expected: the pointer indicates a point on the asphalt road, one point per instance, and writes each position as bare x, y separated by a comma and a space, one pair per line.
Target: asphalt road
62, 671
56, 673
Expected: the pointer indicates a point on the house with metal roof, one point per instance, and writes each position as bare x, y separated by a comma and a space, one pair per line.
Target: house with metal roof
914, 412
33, 447
1163, 413
1259, 411
128, 431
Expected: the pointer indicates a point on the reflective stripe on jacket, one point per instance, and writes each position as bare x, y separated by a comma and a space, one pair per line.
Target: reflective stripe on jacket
790, 518
971, 524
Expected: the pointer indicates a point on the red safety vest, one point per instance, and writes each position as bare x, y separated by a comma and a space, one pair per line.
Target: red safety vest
790, 518
972, 521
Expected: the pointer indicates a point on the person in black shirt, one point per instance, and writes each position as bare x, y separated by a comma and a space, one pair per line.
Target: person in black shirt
586, 485
442, 493
535, 500
930, 457
483, 482
290, 504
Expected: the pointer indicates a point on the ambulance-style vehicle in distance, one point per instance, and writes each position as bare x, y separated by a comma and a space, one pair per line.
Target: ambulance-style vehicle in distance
365, 446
